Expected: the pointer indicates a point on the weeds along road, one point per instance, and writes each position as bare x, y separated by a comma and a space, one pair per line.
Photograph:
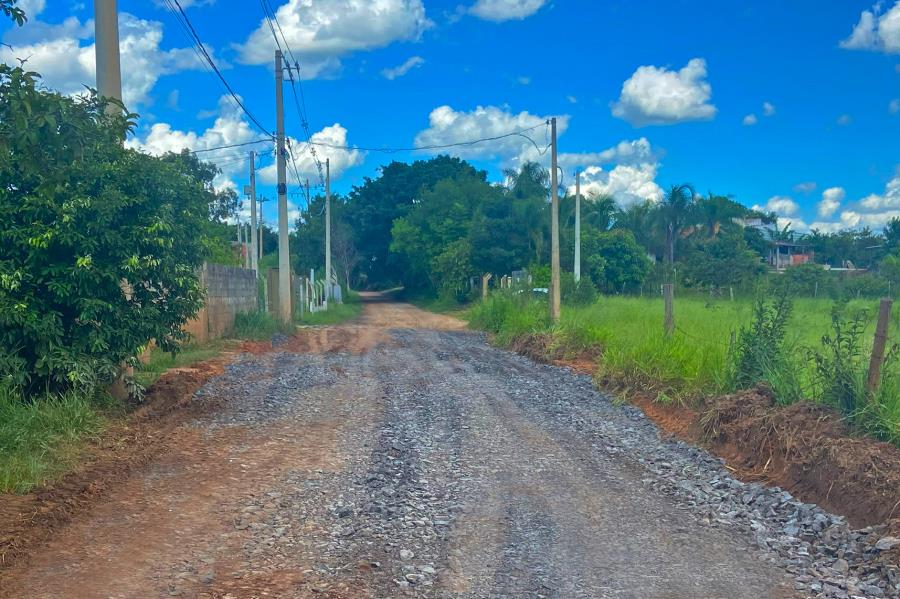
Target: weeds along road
403, 456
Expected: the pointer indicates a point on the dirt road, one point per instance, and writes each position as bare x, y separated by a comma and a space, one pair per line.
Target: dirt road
404, 456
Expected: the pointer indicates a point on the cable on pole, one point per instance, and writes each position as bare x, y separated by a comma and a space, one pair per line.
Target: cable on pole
388, 150
195, 39
246, 143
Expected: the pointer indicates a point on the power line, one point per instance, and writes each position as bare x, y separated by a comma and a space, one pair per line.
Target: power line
246, 143
387, 150
199, 44
299, 100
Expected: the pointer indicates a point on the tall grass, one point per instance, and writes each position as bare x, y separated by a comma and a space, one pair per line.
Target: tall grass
695, 361
41, 439
259, 326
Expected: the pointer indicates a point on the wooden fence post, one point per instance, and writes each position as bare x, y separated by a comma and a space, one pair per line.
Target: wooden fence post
877, 360
668, 296
484, 285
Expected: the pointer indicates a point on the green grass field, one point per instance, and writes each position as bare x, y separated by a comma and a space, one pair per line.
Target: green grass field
694, 362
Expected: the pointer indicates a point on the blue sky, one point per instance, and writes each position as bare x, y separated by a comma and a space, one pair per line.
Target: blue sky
793, 106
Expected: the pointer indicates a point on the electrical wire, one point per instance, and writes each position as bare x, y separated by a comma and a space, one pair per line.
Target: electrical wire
246, 143
299, 99
199, 45
387, 150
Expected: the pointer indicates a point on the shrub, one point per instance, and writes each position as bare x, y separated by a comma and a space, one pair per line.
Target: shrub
758, 350
581, 293
99, 244
840, 366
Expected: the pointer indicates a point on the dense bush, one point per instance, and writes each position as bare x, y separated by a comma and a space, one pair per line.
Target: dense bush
99, 244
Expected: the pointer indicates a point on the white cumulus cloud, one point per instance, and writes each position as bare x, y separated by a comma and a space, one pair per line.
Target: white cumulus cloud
449, 126
780, 205
658, 96
403, 69
505, 10
321, 32
768, 109
229, 128
876, 30
627, 184
831, 201
750, 119
64, 56
874, 210
340, 159
626, 171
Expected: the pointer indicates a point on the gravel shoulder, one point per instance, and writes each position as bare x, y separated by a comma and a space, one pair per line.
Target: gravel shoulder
403, 456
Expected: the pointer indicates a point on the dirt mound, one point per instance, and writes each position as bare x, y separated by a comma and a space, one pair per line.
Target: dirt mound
807, 449
28, 520
804, 448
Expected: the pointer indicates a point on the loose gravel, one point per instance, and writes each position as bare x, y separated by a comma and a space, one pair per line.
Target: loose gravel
436, 466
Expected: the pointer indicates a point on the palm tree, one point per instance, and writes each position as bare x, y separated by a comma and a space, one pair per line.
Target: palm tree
529, 181
675, 211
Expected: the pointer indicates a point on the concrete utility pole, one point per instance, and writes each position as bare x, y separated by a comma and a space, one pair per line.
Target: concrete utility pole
554, 229
254, 243
106, 49
284, 258
577, 226
327, 229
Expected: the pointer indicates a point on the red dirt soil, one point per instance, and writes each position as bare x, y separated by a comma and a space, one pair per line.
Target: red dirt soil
28, 520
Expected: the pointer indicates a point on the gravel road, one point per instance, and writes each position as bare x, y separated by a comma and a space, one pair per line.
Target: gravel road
403, 456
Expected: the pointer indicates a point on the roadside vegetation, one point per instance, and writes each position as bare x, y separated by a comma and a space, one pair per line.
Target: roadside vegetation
349, 310
804, 349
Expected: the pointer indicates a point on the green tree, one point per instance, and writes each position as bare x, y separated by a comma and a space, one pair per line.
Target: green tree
721, 261
452, 268
99, 245
615, 260
377, 203
675, 213
13, 12
642, 220
441, 216
528, 189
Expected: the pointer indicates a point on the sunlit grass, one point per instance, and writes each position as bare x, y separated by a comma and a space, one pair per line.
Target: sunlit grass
627, 332
43, 438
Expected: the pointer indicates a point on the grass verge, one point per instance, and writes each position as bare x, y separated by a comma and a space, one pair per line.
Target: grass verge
626, 337
336, 313
44, 438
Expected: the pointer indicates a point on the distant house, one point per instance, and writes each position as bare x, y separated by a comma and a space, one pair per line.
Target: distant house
784, 254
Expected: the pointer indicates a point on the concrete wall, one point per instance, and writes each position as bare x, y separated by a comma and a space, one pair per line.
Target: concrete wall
229, 291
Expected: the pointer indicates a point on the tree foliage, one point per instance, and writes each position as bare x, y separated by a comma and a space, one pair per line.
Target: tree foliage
99, 244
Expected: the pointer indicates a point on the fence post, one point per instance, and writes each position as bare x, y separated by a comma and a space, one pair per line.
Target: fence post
668, 296
877, 360
484, 285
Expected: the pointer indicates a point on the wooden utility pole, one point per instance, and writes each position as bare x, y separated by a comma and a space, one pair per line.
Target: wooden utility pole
254, 242
485, 279
284, 258
554, 229
327, 230
106, 52
669, 299
881, 332
577, 226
